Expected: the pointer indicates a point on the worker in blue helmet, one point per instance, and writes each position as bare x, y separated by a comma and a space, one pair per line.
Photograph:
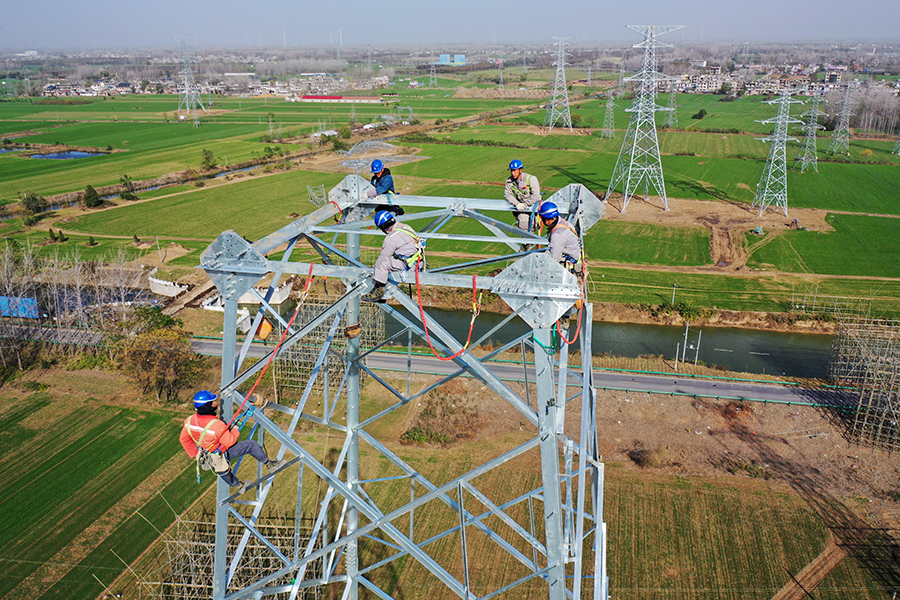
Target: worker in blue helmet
522, 191
381, 180
401, 251
206, 437
565, 245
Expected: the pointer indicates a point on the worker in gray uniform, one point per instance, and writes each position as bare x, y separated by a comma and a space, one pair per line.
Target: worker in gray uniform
401, 251
522, 191
565, 246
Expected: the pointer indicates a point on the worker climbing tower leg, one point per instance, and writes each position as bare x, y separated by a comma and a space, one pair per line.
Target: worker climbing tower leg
229, 347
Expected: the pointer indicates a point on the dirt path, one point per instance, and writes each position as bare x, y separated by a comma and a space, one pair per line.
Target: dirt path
803, 583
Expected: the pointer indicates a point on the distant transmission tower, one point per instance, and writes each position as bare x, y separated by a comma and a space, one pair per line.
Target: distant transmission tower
609, 121
840, 139
500, 62
897, 145
808, 157
772, 187
190, 93
639, 159
672, 115
559, 103
432, 77
590, 68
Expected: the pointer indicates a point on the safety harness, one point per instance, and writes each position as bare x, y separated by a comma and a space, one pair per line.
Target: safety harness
419, 254
208, 459
571, 263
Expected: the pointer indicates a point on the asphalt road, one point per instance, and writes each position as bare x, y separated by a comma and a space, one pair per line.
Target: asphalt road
633, 382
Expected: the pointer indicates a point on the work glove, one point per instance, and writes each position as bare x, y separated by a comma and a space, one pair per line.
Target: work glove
521, 206
371, 193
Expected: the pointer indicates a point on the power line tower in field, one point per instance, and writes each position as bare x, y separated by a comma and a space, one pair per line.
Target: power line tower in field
639, 160
772, 187
672, 115
897, 145
808, 157
559, 102
432, 77
609, 121
840, 139
190, 94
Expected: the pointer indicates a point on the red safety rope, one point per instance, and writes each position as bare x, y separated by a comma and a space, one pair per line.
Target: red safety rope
476, 308
309, 279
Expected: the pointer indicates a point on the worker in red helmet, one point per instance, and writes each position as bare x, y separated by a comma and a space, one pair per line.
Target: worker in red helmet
522, 191
206, 435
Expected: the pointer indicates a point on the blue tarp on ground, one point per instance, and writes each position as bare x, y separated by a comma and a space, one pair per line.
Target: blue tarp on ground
22, 308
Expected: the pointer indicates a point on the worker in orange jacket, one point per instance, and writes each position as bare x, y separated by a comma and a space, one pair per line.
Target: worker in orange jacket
205, 430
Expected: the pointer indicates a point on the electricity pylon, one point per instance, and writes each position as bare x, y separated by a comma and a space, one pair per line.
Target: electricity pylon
840, 139
558, 108
772, 186
432, 77
190, 93
609, 122
808, 157
639, 159
672, 115
897, 145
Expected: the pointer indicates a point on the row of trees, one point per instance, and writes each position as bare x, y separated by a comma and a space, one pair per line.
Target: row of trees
65, 305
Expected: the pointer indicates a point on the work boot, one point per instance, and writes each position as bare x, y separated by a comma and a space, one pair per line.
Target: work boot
376, 295
274, 465
258, 401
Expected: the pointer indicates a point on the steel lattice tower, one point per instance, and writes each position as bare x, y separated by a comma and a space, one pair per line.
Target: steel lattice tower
368, 522
672, 115
500, 63
558, 108
639, 159
609, 119
808, 156
897, 145
432, 77
772, 186
840, 139
190, 94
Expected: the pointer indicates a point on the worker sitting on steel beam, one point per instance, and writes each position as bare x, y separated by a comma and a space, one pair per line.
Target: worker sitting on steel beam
522, 191
214, 443
401, 251
565, 246
383, 183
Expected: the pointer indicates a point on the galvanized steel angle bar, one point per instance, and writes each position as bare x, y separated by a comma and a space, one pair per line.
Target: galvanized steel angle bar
377, 521
500, 514
332, 249
446, 499
466, 359
250, 528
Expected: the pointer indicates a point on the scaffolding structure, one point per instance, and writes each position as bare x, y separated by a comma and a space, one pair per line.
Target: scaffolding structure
558, 108
371, 518
315, 194
185, 571
866, 356
639, 159
772, 187
840, 138
609, 118
808, 156
189, 98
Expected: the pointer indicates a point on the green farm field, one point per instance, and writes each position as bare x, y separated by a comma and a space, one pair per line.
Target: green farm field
83, 481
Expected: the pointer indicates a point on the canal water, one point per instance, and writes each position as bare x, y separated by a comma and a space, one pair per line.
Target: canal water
746, 350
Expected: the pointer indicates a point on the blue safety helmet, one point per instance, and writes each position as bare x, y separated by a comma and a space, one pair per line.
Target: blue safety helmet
383, 218
377, 166
516, 164
548, 210
203, 397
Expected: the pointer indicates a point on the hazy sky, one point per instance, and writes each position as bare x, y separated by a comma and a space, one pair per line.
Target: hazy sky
94, 24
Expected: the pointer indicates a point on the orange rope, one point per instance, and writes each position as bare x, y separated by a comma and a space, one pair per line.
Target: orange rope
309, 279
475, 311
